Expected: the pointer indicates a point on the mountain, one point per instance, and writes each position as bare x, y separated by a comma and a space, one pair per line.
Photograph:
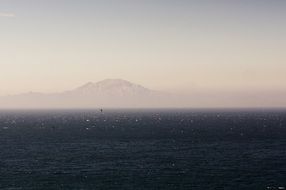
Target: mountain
118, 93
115, 87
107, 93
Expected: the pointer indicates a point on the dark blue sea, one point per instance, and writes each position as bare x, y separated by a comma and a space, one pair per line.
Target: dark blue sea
142, 149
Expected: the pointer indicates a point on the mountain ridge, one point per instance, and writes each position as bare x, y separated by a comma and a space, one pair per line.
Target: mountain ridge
104, 93
118, 93
108, 85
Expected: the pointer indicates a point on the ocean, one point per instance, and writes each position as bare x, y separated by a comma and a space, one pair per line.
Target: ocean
140, 149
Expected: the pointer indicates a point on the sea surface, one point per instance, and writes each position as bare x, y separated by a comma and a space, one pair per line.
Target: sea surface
142, 149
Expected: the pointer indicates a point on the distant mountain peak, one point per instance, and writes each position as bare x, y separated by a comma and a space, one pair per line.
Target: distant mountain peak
112, 86
114, 82
88, 84
107, 82
105, 93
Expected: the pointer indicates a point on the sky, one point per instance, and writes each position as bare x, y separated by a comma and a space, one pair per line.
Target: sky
170, 45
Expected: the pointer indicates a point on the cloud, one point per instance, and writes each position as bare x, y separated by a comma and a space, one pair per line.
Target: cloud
7, 14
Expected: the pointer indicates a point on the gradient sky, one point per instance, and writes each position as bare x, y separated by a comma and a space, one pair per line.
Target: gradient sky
175, 45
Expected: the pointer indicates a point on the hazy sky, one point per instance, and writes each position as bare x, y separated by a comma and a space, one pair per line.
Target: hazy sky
177, 45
